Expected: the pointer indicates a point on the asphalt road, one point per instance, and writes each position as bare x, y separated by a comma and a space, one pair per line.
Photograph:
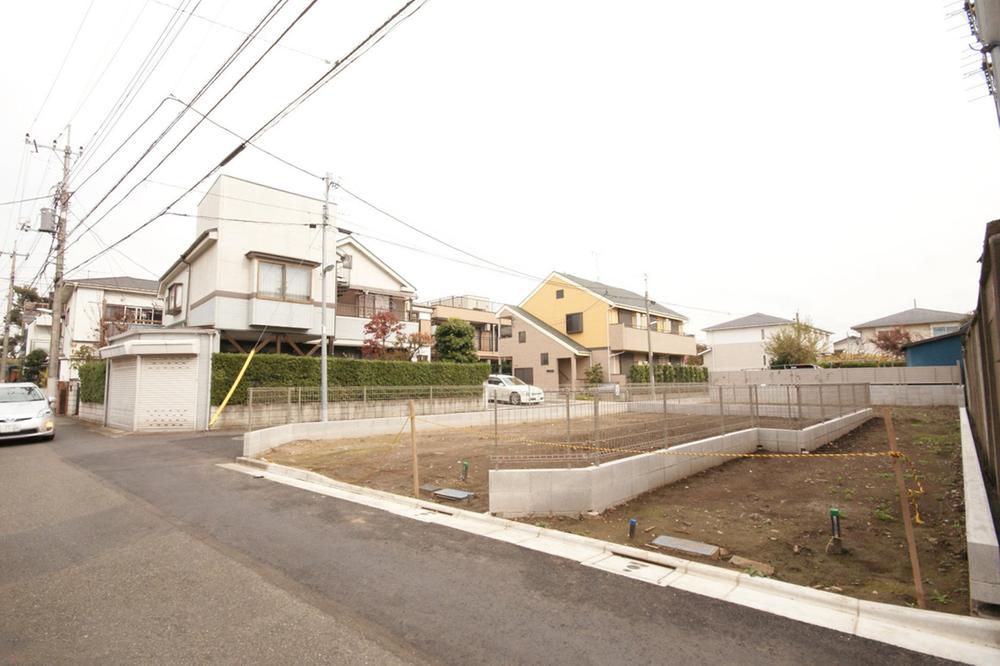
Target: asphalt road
140, 549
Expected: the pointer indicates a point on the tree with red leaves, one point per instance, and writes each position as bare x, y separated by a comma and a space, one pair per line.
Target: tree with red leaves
382, 327
893, 340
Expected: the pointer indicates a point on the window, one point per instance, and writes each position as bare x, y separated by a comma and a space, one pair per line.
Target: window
544, 359
761, 334
174, 294
574, 322
675, 327
493, 381
560, 293
941, 330
506, 331
624, 317
521, 336
284, 281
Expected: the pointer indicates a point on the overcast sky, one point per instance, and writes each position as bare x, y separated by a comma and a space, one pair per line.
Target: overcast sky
774, 157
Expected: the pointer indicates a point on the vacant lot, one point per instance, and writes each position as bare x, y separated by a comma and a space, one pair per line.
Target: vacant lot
777, 511
384, 462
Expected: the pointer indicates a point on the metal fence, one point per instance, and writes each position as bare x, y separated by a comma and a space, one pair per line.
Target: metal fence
982, 360
581, 427
271, 406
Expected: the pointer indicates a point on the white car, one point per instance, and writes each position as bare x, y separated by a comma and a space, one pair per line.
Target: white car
25, 412
510, 389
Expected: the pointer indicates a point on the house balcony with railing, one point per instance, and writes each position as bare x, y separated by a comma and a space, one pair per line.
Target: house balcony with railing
625, 337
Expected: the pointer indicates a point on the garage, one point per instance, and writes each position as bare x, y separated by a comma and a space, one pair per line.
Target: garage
159, 380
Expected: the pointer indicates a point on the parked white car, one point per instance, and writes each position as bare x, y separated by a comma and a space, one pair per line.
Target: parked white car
25, 412
507, 388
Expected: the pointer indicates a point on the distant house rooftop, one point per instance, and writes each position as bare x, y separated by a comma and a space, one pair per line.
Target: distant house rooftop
623, 297
756, 320
124, 283
912, 317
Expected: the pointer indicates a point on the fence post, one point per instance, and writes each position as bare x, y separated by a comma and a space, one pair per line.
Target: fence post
288, 408
250, 408
593, 439
301, 416
722, 410
413, 448
754, 407
822, 412
798, 400
788, 399
569, 427
666, 422
496, 420
840, 400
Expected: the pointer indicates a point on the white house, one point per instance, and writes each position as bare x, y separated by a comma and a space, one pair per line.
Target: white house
37, 330
253, 273
94, 309
739, 344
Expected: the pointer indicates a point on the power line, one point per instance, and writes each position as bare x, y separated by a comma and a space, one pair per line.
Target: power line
69, 50
337, 67
19, 201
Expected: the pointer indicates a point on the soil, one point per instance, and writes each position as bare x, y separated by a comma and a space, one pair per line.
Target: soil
384, 462
777, 511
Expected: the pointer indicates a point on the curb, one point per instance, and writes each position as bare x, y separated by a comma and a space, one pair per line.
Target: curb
968, 639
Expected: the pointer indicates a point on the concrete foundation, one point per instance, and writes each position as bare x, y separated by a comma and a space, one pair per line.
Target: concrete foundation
980, 533
918, 395
525, 492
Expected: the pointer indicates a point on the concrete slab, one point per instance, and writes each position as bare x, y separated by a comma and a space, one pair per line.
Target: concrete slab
626, 566
686, 546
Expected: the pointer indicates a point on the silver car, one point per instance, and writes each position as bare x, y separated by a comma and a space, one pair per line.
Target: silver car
25, 412
511, 389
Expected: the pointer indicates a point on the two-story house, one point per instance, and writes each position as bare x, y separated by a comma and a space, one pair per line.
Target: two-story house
567, 324
480, 313
253, 273
740, 344
95, 309
920, 323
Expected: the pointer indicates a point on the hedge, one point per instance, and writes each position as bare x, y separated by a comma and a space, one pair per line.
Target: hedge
92, 382
273, 370
669, 374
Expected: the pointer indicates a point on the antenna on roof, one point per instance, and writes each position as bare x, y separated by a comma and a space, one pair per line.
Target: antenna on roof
914, 304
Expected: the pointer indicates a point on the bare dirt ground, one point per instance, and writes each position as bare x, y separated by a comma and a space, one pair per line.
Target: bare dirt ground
777, 511
384, 462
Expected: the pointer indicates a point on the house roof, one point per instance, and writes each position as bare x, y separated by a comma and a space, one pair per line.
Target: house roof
623, 297
548, 330
756, 320
937, 338
124, 283
911, 317
849, 337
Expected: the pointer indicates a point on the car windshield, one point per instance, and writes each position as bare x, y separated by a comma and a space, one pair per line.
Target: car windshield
515, 381
20, 394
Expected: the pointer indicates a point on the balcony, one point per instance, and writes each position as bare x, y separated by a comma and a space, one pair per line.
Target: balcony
628, 338
485, 344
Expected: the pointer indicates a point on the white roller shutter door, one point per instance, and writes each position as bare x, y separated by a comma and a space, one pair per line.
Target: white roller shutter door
121, 393
168, 393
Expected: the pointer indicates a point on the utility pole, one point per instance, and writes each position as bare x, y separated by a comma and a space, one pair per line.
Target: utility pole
54, 345
6, 320
649, 337
322, 325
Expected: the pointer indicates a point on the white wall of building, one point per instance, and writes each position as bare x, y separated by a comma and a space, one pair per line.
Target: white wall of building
743, 348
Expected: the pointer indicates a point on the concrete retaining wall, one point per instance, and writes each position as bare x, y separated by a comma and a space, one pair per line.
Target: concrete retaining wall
524, 492
918, 395
92, 412
931, 374
980, 533
280, 413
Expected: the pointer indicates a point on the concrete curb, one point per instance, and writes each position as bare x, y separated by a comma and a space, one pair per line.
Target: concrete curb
966, 639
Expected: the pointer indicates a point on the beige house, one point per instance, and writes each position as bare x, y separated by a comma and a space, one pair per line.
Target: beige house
920, 323
739, 344
477, 311
589, 320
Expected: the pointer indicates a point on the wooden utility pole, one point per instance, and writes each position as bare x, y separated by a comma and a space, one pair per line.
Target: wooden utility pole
413, 449
54, 345
6, 319
904, 508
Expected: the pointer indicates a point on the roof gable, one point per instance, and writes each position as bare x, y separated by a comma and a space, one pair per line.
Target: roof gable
615, 296
121, 283
755, 320
912, 317
548, 330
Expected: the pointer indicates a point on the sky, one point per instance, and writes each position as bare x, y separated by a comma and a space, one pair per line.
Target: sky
836, 161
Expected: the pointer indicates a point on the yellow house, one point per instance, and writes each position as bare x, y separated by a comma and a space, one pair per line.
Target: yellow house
593, 323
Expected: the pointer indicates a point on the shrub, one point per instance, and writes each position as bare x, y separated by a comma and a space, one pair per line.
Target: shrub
594, 375
669, 374
92, 381
455, 340
285, 370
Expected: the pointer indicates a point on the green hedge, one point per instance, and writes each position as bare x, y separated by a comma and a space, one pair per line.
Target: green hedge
669, 374
92, 382
283, 370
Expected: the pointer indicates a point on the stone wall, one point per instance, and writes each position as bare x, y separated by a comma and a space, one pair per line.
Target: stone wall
92, 412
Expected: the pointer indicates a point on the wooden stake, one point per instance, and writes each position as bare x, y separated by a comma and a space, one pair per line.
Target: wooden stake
413, 447
904, 507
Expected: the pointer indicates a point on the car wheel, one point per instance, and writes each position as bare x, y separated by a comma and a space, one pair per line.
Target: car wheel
515, 398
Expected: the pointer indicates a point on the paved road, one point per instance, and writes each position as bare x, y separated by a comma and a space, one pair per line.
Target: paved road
139, 549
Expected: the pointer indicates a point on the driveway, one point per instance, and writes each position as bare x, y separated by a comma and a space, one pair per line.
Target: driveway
140, 549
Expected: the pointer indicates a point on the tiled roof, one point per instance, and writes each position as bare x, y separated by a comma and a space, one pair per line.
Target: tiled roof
123, 282
756, 320
912, 317
624, 297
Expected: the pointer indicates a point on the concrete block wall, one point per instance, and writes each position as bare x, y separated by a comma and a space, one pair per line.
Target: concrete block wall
813, 437
980, 534
918, 395
945, 374
91, 412
525, 492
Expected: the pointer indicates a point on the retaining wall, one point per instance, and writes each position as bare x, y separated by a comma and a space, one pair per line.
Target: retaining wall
279, 413
980, 532
92, 412
918, 395
524, 492
930, 374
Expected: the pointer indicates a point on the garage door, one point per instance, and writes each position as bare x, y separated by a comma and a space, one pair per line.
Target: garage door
168, 393
121, 393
